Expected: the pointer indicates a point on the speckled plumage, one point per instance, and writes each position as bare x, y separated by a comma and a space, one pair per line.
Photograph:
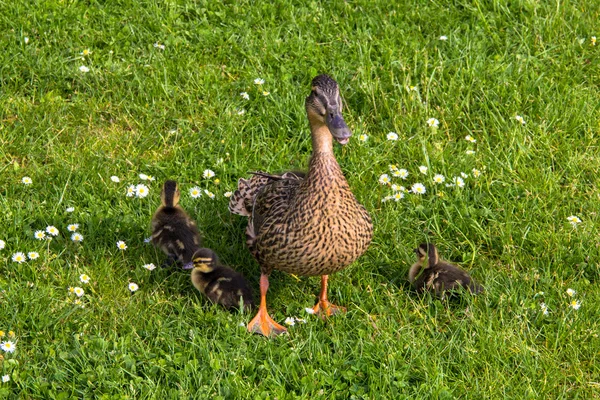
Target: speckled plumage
309, 225
438, 276
219, 283
173, 231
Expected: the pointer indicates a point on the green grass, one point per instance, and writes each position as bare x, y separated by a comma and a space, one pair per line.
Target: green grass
173, 113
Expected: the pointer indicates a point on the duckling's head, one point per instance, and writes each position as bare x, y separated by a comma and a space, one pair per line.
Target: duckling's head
170, 194
427, 254
205, 260
324, 107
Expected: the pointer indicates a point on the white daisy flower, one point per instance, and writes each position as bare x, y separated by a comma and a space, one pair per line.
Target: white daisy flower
39, 235
573, 220
70, 209
593, 40
143, 177
363, 138
398, 196
470, 138
402, 173
392, 136
84, 69
463, 175
384, 179
433, 123
300, 320
393, 167
575, 305
520, 119
32, 255
418, 188
209, 194
544, 308
470, 152
290, 321
149, 267
83, 278
27, 180
228, 194
78, 291
6, 378
571, 292
86, 52
133, 287
148, 239
443, 38
159, 46
423, 169
241, 111
245, 96
387, 198
19, 257
2, 244
476, 173
458, 181
72, 227
397, 188
309, 310
259, 81
208, 173
265, 93
26, 40
439, 178
141, 190
77, 237
115, 179
130, 190
121, 245
195, 192
52, 230
8, 346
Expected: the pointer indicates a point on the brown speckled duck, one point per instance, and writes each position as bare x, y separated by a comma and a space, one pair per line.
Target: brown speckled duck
222, 285
305, 224
173, 231
439, 276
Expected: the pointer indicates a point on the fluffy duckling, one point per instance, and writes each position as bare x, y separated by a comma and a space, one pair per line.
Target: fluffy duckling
221, 284
439, 276
173, 231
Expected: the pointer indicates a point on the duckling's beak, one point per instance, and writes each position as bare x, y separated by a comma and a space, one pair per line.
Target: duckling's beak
337, 126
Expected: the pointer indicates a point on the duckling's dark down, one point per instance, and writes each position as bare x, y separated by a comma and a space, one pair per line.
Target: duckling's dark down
439, 276
173, 231
221, 284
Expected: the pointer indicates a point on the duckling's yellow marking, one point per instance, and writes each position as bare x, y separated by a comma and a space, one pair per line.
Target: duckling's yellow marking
180, 244
202, 267
223, 279
169, 228
157, 234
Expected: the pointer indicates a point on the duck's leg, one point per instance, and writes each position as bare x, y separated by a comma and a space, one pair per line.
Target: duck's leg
263, 323
324, 308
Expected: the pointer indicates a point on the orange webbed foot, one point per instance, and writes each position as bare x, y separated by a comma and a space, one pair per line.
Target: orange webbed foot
263, 324
326, 309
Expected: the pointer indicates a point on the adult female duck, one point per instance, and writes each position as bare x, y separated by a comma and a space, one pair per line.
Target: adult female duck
305, 224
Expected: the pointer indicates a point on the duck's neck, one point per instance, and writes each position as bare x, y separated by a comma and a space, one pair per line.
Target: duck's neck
322, 141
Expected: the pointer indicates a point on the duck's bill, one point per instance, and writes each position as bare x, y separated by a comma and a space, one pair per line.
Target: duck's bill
338, 128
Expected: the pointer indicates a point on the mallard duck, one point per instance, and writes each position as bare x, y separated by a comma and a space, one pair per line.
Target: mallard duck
173, 231
439, 276
305, 224
221, 284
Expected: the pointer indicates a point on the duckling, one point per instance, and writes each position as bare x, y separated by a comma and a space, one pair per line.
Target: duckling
173, 231
305, 224
221, 284
432, 273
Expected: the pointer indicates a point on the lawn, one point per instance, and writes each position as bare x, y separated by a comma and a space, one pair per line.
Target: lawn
502, 98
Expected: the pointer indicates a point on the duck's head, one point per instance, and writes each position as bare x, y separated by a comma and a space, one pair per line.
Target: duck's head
170, 194
205, 260
324, 107
427, 254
